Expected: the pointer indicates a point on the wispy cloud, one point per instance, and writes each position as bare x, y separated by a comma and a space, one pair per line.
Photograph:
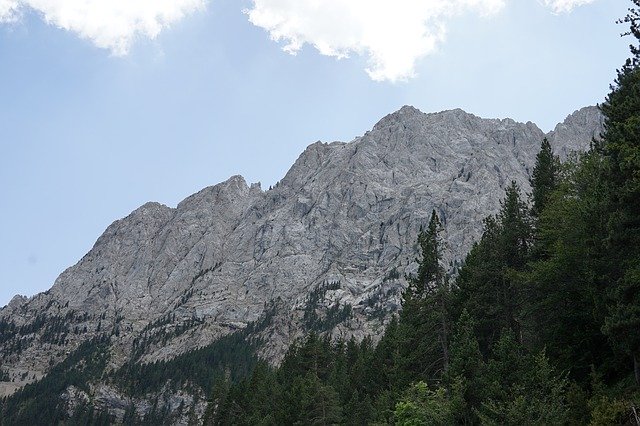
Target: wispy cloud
9, 10
109, 24
564, 6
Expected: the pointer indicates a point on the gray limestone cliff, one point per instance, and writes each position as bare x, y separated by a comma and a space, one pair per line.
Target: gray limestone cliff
346, 214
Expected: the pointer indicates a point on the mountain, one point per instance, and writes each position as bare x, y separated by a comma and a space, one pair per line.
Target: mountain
325, 250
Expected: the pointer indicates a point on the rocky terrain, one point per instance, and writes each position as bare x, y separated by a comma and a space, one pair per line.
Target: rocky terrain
327, 248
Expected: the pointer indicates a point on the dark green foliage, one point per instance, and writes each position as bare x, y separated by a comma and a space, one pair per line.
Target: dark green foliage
318, 319
232, 353
47, 329
393, 274
423, 331
488, 285
375, 302
544, 178
318, 382
319, 404
466, 367
7, 330
622, 175
232, 356
623, 322
423, 406
564, 288
161, 331
85, 414
430, 272
521, 388
52, 329
333, 316
40, 403
515, 229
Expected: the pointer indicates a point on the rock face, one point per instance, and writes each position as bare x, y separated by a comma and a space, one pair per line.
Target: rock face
341, 224
577, 132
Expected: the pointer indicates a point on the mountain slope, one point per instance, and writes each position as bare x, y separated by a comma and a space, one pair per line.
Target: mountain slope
328, 246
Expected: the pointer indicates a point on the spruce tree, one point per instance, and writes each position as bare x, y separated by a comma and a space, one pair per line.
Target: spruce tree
489, 286
543, 178
319, 403
465, 369
563, 310
622, 154
516, 228
424, 322
520, 388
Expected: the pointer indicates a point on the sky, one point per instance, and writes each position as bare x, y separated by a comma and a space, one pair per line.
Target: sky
108, 104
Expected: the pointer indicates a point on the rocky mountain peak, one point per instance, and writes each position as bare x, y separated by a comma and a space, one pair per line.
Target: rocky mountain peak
16, 301
404, 114
341, 226
411, 117
577, 131
224, 192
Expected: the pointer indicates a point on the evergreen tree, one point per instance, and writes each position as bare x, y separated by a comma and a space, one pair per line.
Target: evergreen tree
386, 372
488, 285
544, 178
465, 369
424, 320
263, 390
515, 237
564, 289
622, 154
623, 322
319, 403
430, 272
358, 410
423, 406
521, 388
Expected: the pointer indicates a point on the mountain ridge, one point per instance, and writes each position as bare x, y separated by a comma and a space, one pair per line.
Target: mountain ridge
345, 213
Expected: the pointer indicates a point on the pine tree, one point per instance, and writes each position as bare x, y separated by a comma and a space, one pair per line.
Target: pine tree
424, 324
430, 272
423, 406
544, 177
465, 369
319, 403
385, 371
263, 391
563, 310
488, 285
622, 153
520, 388
516, 228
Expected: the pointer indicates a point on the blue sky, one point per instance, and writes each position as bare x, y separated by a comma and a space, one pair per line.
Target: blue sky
92, 124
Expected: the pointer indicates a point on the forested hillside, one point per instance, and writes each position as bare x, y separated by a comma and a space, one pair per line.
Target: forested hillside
540, 326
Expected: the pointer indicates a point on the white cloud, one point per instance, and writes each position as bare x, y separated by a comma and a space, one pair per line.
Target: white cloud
110, 24
9, 11
564, 6
393, 34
